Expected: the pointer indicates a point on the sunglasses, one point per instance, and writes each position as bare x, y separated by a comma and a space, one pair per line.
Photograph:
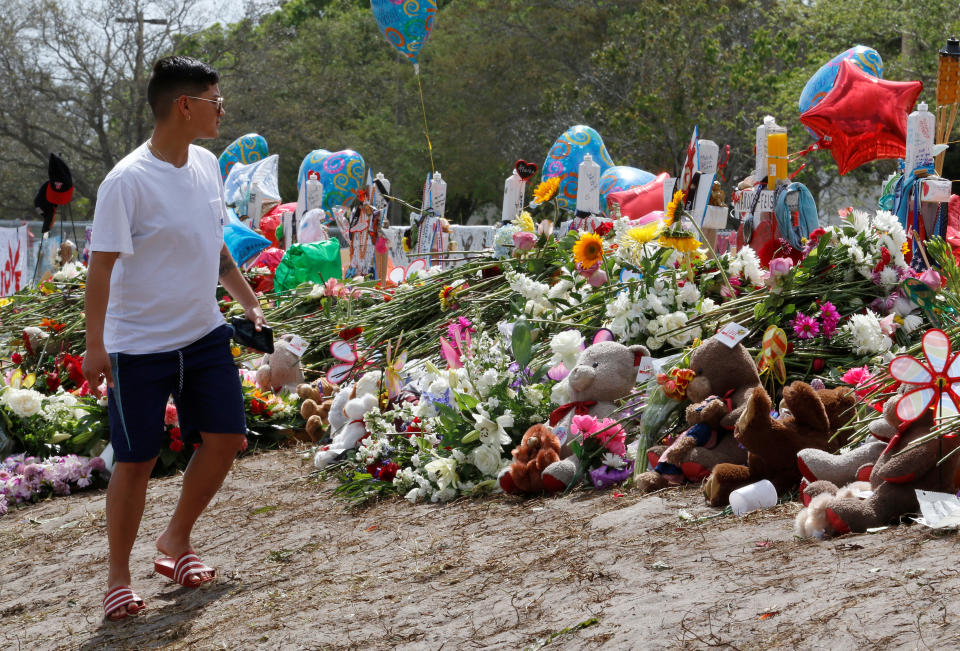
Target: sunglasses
218, 101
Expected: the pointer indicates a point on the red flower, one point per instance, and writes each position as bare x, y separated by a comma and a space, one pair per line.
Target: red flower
388, 471
244, 445
53, 381
256, 406
818, 365
815, 234
175, 433
603, 228
176, 445
195, 446
350, 333
54, 326
73, 365
16, 358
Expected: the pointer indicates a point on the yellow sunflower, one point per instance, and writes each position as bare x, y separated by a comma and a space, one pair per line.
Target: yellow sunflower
671, 212
525, 222
588, 250
546, 190
682, 242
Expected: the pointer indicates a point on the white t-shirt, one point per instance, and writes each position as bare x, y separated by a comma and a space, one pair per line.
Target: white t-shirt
167, 224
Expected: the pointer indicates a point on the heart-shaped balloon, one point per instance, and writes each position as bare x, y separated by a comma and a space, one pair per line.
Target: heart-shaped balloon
621, 177
406, 24
526, 170
245, 149
564, 160
341, 173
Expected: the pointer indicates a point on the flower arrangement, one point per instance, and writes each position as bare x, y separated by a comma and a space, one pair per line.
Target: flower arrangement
26, 478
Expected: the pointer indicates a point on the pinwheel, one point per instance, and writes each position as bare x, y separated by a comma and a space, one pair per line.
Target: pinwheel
393, 367
774, 349
935, 382
346, 352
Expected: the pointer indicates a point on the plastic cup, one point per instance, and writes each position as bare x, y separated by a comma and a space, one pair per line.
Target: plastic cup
761, 495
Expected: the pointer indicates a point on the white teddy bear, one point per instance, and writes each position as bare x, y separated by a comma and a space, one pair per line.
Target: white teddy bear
346, 417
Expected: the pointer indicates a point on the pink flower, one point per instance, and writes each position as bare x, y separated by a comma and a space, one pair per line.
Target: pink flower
598, 279
170, 416
932, 279
524, 241
381, 245
829, 313
584, 425
805, 327
612, 436
857, 376
888, 326
780, 266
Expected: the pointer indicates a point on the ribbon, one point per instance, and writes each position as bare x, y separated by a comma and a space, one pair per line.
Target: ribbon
579, 408
772, 353
723, 163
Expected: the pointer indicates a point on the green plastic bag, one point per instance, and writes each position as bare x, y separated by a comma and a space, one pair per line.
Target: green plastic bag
317, 262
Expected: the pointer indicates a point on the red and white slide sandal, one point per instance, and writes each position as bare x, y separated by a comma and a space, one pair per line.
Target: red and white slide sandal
117, 603
185, 570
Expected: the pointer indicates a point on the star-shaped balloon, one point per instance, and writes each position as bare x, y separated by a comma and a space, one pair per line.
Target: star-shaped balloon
863, 118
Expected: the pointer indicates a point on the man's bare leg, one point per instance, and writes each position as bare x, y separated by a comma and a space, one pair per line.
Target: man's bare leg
126, 495
204, 475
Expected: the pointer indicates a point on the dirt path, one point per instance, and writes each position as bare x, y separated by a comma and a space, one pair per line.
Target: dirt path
591, 570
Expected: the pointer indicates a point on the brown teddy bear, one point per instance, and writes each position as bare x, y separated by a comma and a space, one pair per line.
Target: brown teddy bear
539, 448
315, 408
724, 379
809, 418
895, 477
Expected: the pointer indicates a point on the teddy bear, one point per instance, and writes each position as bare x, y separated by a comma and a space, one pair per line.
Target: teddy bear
347, 426
539, 448
724, 378
281, 368
849, 466
809, 419
891, 492
316, 405
606, 371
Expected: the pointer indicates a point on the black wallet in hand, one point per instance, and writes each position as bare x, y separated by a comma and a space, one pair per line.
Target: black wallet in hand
245, 333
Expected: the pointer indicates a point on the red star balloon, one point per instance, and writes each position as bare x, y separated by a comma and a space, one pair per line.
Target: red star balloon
863, 118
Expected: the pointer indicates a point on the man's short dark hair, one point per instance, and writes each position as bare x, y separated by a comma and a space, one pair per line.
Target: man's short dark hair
175, 76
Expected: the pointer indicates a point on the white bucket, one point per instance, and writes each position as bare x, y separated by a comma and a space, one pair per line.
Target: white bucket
761, 495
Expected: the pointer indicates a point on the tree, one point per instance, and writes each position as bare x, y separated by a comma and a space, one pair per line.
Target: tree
73, 77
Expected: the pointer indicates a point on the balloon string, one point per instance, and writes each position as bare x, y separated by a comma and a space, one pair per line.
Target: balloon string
426, 131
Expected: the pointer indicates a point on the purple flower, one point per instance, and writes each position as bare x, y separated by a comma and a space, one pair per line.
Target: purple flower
805, 327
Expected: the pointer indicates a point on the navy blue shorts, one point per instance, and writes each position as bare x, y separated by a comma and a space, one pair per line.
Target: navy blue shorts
204, 383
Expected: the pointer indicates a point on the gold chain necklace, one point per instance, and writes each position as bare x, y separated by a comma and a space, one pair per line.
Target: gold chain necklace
156, 152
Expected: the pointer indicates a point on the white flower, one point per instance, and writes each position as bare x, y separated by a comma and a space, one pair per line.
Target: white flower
560, 289
886, 221
707, 306
888, 276
506, 328
413, 495
866, 333
689, 293
493, 432
566, 348
487, 381
911, 322
533, 394
487, 459
23, 402
560, 394
655, 304
861, 220
613, 460
443, 471
459, 456
66, 272
749, 265
415, 460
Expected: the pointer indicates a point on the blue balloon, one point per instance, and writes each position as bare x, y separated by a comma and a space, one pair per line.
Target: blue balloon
405, 24
342, 174
622, 177
564, 158
245, 149
241, 241
817, 87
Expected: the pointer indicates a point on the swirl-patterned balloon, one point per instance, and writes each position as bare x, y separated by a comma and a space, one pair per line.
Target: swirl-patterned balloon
245, 149
865, 58
406, 24
621, 177
342, 174
564, 160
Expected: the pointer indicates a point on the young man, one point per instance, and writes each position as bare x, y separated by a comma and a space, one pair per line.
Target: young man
153, 325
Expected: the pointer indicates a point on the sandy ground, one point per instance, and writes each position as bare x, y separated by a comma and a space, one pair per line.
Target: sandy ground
591, 570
